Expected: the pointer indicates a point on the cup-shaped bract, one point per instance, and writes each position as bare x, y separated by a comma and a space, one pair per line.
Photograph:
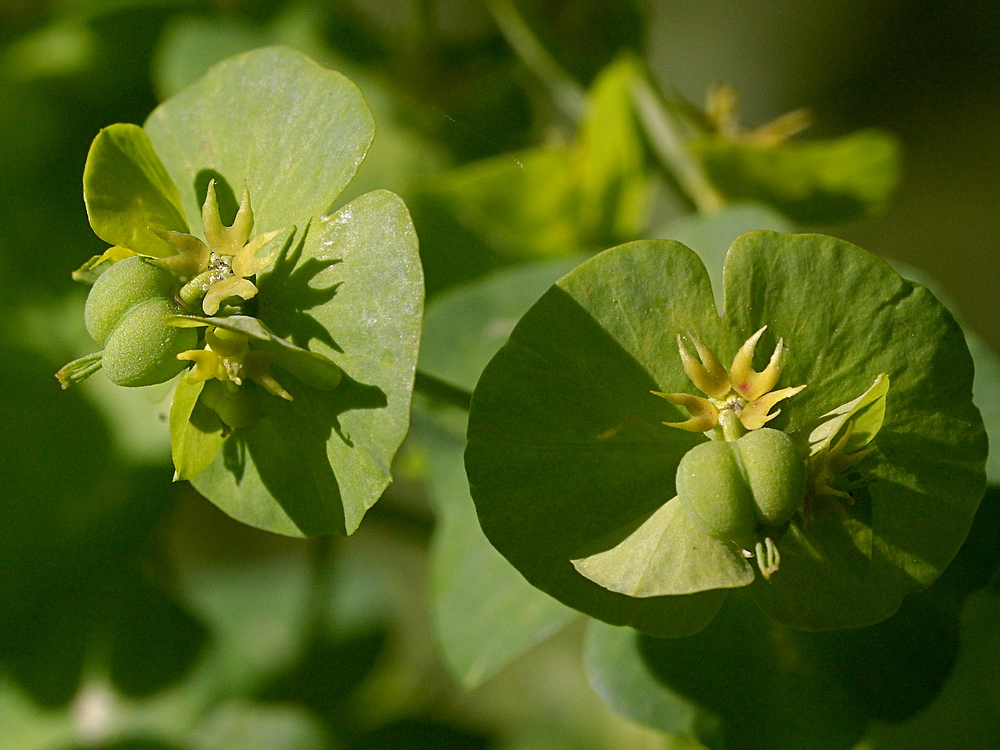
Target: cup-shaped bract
292, 429
568, 459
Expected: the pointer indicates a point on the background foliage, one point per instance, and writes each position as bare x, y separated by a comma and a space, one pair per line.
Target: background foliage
134, 614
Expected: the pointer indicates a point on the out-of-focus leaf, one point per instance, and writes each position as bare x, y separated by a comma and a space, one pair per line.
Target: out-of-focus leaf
555, 200
251, 589
486, 613
248, 725
618, 671
810, 181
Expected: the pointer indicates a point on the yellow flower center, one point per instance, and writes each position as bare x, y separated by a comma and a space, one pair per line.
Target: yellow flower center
737, 400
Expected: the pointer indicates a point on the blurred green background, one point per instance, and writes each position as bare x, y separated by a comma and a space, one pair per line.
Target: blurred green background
125, 596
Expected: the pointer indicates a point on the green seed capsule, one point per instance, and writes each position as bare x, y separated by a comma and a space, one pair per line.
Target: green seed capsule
142, 349
128, 283
730, 488
713, 490
776, 472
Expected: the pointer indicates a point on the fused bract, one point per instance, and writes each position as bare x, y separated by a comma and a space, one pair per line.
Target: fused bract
568, 458
288, 331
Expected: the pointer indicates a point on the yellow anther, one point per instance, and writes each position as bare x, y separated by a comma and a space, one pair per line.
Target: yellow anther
756, 413
749, 383
704, 414
708, 375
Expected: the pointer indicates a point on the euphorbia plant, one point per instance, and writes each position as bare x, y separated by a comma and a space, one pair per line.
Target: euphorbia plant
858, 490
291, 328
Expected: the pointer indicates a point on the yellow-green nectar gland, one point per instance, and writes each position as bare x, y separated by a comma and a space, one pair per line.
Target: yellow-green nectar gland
227, 357
738, 400
218, 272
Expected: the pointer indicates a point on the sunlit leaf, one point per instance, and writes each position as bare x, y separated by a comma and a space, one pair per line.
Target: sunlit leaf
128, 192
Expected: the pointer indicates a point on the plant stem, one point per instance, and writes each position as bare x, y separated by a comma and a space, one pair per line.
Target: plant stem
567, 94
668, 143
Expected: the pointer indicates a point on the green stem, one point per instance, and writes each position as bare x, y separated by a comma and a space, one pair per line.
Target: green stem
663, 131
732, 428
568, 96
440, 390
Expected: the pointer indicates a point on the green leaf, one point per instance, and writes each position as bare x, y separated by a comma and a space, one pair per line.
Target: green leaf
928, 471
768, 685
610, 157
523, 204
556, 200
565, 440
310, 130
128, 193
811, 182
486, 614
710, 235
254, 591
350, 289
617, 670
466, 325
259, 726
196, 432
865, 413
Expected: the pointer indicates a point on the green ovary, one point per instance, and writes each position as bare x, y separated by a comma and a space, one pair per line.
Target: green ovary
142, 349
731, 488
128, 283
